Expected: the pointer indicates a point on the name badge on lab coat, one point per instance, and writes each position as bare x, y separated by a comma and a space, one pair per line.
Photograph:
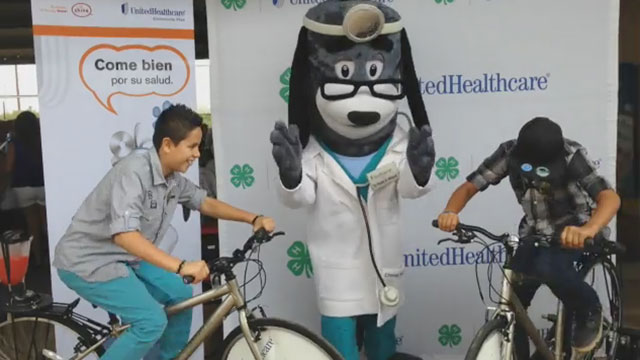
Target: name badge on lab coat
382, 176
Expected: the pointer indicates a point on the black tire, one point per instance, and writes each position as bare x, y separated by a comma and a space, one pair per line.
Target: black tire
612, 319
272, 323
491, 327
35, 332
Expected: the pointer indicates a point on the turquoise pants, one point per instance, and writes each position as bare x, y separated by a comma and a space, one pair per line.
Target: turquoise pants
379, 342
139, 300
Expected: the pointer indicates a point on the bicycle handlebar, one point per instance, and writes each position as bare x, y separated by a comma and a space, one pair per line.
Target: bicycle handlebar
599, 244
223, 264
474, 229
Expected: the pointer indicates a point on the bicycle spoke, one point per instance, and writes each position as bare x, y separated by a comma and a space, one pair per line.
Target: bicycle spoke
44, 344
32, 343
4, 356
15, 338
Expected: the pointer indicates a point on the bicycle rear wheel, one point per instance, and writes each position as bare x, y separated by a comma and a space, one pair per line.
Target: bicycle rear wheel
279, 340
24, 337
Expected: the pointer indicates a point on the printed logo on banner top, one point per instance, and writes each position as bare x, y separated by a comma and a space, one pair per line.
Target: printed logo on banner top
486, 83
233, 4
310, 3
55, 9
161, 14
81, 10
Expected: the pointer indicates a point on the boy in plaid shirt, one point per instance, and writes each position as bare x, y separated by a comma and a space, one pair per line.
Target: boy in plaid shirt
563, 197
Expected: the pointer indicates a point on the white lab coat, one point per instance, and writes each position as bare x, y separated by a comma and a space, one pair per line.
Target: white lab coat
345, 278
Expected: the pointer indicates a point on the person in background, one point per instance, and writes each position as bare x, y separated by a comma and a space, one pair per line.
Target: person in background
24, 162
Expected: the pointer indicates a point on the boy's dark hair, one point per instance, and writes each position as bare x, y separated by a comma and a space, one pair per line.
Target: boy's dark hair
175, 123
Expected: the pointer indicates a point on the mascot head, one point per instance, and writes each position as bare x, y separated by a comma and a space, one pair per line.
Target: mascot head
351, 66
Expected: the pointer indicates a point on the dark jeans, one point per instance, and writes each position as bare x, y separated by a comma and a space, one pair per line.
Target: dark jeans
552, 267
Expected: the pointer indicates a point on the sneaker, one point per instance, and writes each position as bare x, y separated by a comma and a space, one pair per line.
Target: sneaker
587, 331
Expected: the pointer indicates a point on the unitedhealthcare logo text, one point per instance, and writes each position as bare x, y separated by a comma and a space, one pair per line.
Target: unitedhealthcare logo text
280, 3
455, 256
151, 11
497, 82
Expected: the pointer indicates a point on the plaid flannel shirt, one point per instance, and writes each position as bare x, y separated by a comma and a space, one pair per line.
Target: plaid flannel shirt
547, 214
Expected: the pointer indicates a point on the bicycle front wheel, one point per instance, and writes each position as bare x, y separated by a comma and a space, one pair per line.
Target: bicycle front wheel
489, 342
25, 337
279, 339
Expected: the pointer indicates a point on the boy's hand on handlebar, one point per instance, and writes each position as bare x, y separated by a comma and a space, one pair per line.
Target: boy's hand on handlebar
573, 237
196, 269
448, 221
264, 222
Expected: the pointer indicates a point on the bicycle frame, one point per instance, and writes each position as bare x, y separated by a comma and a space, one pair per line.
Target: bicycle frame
511, 307
234, 300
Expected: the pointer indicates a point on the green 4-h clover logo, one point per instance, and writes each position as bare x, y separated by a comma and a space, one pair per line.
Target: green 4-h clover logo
447, 168
445, 2
242, 176
284, 80
236, 4
450, 335
300, 261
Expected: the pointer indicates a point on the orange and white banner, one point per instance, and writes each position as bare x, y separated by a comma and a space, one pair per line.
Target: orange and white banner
105, 71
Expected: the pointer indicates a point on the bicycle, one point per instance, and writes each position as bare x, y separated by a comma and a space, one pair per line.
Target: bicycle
494, 340
264, 338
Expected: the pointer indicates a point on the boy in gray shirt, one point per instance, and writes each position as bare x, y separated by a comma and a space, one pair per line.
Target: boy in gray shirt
109, 253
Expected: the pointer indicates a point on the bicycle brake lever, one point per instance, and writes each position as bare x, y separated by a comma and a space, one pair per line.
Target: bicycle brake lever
446, 240
465, 237
262, 236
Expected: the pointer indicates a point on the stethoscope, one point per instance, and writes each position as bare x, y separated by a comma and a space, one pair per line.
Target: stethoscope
388, 295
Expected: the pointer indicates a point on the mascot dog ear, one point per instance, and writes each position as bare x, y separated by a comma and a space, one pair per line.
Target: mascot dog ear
410, 84
299, 88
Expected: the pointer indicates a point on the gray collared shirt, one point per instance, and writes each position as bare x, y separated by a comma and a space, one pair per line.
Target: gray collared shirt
133, 196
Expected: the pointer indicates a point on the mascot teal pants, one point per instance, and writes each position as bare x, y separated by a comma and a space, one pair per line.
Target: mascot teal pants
342, 333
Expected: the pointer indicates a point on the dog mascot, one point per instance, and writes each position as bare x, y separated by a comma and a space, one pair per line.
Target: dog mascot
347, 158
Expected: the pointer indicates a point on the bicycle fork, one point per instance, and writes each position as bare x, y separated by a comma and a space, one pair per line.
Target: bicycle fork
513, 309
507, 293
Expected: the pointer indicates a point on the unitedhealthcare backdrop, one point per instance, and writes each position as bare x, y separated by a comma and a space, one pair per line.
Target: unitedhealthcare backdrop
485, 68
